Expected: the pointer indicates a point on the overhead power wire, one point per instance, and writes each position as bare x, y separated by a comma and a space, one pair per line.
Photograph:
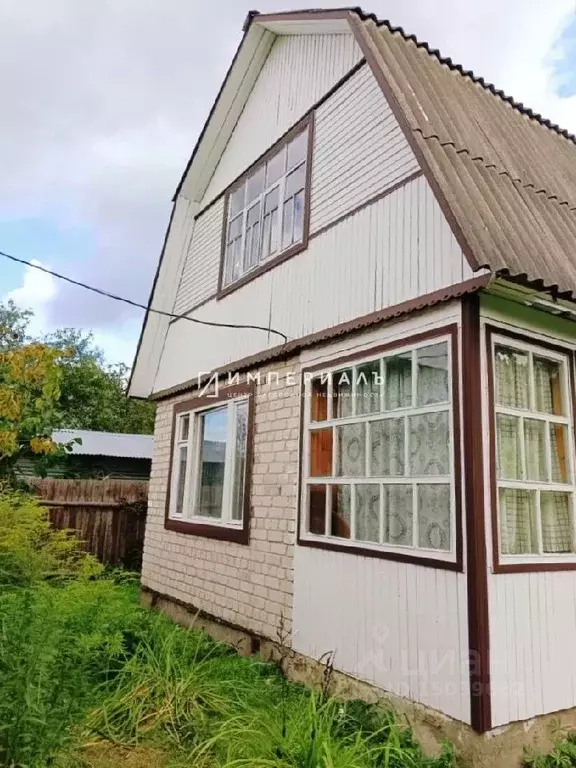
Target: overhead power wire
114, 297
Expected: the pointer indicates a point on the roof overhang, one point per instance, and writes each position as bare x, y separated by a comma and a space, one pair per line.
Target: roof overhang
260, 31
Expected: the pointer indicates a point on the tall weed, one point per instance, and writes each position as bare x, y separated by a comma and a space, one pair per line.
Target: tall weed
58, 648
31, 550
83, 665
166, 685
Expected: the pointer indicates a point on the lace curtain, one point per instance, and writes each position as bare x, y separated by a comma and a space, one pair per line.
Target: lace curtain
427, 455
545, 456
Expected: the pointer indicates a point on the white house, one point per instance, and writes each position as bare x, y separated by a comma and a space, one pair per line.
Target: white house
375, 252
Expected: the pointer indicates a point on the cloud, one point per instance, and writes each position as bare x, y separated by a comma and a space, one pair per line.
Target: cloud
37, 291
103, 102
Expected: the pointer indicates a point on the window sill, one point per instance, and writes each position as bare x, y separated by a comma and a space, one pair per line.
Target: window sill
225, 290
237, 533
524, 565
402, 556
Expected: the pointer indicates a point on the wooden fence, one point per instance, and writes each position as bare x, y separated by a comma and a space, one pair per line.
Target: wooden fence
109, 516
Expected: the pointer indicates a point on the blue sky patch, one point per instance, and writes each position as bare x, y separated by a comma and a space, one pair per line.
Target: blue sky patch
43, 240
565, 68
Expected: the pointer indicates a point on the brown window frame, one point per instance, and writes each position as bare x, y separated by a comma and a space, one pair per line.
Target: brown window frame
338, 545
505, 563
306, 124
237, 534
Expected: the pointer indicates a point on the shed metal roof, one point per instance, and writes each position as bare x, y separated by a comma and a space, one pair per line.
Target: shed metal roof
107, 443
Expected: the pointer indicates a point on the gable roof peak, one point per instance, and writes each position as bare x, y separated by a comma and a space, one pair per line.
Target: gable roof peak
248, 20
318, 13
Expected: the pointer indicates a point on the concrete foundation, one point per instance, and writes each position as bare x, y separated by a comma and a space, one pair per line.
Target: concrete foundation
503, 747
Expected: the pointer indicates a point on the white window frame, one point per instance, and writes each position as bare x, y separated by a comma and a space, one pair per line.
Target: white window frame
541, 351
416, 552
191, 484
229, 280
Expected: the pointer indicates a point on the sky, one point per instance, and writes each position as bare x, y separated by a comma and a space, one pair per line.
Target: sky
103, 102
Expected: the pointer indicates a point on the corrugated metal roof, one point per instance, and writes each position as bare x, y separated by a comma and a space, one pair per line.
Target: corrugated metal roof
107, 443
507, 175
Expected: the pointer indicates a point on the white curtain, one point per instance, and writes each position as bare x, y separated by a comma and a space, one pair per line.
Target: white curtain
518, 518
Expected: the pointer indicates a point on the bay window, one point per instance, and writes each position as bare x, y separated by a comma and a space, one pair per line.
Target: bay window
266, 209
533, 447
209, 470
379, 453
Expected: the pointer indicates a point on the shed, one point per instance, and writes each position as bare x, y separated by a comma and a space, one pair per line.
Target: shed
100, 454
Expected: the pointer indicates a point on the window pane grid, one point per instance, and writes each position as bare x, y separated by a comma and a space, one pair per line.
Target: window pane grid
533, 432
269, 206
209, 464
386, 415
389, 522
390, 420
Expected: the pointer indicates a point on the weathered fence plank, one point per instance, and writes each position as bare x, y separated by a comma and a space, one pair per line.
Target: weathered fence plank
109, 516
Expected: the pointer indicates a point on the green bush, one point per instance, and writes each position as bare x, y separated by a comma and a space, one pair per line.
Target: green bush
563, 754
31, 550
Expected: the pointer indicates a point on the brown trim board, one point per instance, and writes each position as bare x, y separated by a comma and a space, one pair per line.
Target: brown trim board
477, 567
511, 567
292, 252
220, 532
312, 14
336, 546
374, 199
386, 315
371, 55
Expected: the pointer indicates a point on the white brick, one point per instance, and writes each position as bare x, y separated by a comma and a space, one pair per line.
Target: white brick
247, 585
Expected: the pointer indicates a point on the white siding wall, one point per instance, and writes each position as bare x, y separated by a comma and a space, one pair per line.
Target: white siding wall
395, 249
399, 626
299, 70
360, 150
169, 270
200, 273
532, 615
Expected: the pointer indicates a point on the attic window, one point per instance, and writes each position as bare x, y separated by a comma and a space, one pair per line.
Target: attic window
266, 209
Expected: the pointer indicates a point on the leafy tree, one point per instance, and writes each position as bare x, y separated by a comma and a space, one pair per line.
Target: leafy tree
13, 325
92, 393
29, 392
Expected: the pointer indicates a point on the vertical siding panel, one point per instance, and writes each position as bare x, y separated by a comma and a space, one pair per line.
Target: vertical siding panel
392, 631
390, 624
411, 598
332, 282
298, 70
516, 707
394, 266
533, 626
200, 272
438, 639
365, 156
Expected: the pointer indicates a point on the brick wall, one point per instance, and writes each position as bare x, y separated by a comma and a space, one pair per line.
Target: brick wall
250, 586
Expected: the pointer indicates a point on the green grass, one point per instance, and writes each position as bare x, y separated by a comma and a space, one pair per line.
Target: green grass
88, 678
